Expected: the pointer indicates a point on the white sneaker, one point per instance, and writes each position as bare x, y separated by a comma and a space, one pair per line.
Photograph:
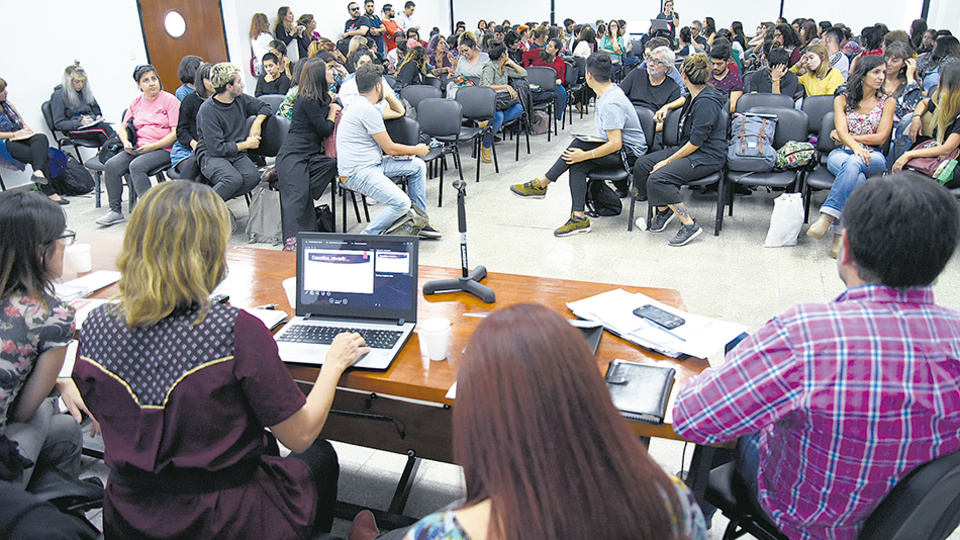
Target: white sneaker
110, 218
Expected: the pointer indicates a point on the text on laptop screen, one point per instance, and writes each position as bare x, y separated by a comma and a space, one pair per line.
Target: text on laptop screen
339, 275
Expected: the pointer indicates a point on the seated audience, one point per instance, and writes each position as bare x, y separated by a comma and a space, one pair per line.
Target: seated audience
224, 139
686, 43
724, 78
278, 49
833, 40
260, 38
945, 107
189, 442
901, 84
549, 56
496, 74
286, 106
586, 42
817, 76
836, 402
146, 147
273, 80
39, 443
182, 156
413, 68
788, 38
651, 88
362, 139
612, 44
23, 145
303, 171
515, 46
75, 110
439, 57
515, 394
864, 120
472, 59
774, 77
658, 176
617, 125
673, 72
390, 105
945, 50
187, 73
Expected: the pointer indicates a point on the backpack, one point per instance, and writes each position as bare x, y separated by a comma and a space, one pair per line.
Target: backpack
73, 179
263, 225
795, 155
602, 200
751, 146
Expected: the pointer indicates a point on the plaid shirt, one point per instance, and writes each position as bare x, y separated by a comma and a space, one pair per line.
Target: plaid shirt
847, 396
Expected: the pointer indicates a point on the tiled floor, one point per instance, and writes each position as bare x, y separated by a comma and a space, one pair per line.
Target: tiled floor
731, 277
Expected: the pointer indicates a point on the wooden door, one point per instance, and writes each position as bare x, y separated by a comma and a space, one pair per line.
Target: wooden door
204, 35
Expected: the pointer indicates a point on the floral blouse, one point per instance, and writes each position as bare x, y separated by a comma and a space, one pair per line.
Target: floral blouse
444, 525
866, 124
29, 327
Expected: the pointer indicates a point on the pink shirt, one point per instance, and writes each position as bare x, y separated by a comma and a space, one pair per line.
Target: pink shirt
155, 119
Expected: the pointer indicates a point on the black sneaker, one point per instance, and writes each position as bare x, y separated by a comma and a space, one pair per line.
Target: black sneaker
686, 234
661, 220
429, 233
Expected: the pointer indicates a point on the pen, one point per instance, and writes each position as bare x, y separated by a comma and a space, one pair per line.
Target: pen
267, 306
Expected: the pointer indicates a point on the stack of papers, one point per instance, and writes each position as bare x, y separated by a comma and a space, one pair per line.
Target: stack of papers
83, 287
698, 336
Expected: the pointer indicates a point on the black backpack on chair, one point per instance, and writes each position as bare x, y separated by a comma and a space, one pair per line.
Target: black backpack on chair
602, 200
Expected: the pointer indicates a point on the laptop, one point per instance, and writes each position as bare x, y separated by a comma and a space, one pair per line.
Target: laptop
352, 283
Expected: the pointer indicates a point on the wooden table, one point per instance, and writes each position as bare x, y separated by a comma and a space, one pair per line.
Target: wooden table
404, 409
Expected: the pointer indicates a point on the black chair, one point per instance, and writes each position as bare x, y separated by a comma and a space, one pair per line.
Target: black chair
671, 137
816, 108
273, 132
791, 126
573, 87
924, 504
748, 101
479, 104
440, 119
819, 177
63, 138
650, 132
415, 93
546, 79
391, 80
274, 100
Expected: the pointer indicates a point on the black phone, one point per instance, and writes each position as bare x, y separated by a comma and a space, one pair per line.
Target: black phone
663, 318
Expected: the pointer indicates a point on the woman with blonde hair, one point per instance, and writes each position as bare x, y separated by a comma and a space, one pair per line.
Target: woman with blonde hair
945, 107
815, 74
260, 38
75, 110
188, 440
413, 68
529, 381
287, 31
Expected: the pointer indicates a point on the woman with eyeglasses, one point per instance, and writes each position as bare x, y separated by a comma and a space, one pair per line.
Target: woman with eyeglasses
35, 328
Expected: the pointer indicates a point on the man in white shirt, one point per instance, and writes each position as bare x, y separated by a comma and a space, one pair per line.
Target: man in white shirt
405, 19
833, 40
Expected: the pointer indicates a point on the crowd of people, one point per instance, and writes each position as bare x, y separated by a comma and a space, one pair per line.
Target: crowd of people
190, 440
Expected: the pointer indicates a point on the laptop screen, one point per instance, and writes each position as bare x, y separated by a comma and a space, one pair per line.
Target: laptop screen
366, 276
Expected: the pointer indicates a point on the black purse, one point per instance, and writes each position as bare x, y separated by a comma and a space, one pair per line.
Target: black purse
505, 101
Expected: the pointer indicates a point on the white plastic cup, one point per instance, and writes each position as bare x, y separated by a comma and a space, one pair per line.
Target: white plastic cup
435, 337
290, 287
81, 257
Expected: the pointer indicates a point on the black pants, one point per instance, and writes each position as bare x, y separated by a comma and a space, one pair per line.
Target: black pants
34, 151
662, 188
302, 179
578, 171
322, 460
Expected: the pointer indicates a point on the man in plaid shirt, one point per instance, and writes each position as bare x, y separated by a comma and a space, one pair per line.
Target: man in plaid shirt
836, 402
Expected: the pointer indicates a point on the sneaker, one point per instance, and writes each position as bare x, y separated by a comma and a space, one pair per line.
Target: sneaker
110, 218
574, 225
661, 220
485, 154
429, 233
531, 190
686, 234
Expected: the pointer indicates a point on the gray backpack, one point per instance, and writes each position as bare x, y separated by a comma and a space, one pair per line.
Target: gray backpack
751, 145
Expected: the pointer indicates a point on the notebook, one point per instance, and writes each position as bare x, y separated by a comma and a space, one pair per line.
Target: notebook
355, 283
640, 391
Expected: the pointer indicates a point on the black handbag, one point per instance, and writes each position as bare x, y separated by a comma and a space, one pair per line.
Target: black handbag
505, 101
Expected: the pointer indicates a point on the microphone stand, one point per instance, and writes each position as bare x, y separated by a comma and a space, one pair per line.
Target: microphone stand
468, 281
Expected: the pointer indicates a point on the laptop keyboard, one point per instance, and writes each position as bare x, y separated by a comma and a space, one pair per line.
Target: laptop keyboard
323, 335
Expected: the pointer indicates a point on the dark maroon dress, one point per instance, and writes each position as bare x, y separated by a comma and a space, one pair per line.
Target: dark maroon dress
181, 400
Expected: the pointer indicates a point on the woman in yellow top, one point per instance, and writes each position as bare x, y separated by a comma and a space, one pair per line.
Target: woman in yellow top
815, 73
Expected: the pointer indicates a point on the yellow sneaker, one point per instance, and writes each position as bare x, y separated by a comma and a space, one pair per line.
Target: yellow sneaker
485, 155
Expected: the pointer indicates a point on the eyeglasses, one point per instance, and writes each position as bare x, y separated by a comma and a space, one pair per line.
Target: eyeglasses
68, 237
655, 62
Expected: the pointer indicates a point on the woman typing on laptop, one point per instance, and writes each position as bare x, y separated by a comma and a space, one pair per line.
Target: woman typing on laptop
183, 390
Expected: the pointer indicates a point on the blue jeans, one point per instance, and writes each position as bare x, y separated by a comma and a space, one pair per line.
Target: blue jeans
375, 181
500, 118
561, 93
901, 141
850, 171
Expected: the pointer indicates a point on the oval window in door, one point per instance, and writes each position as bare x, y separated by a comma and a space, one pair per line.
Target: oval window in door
174, 24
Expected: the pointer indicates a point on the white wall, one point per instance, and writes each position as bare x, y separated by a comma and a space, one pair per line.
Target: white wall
945, 14
108, 50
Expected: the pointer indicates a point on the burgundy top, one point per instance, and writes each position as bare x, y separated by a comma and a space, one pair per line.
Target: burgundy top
177, 396
558, 65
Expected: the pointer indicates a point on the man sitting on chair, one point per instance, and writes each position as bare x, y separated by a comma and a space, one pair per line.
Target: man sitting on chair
224, 141
618, 138
362, 139
835, 402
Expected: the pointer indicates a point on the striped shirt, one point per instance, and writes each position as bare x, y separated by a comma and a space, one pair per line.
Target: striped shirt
847, 396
